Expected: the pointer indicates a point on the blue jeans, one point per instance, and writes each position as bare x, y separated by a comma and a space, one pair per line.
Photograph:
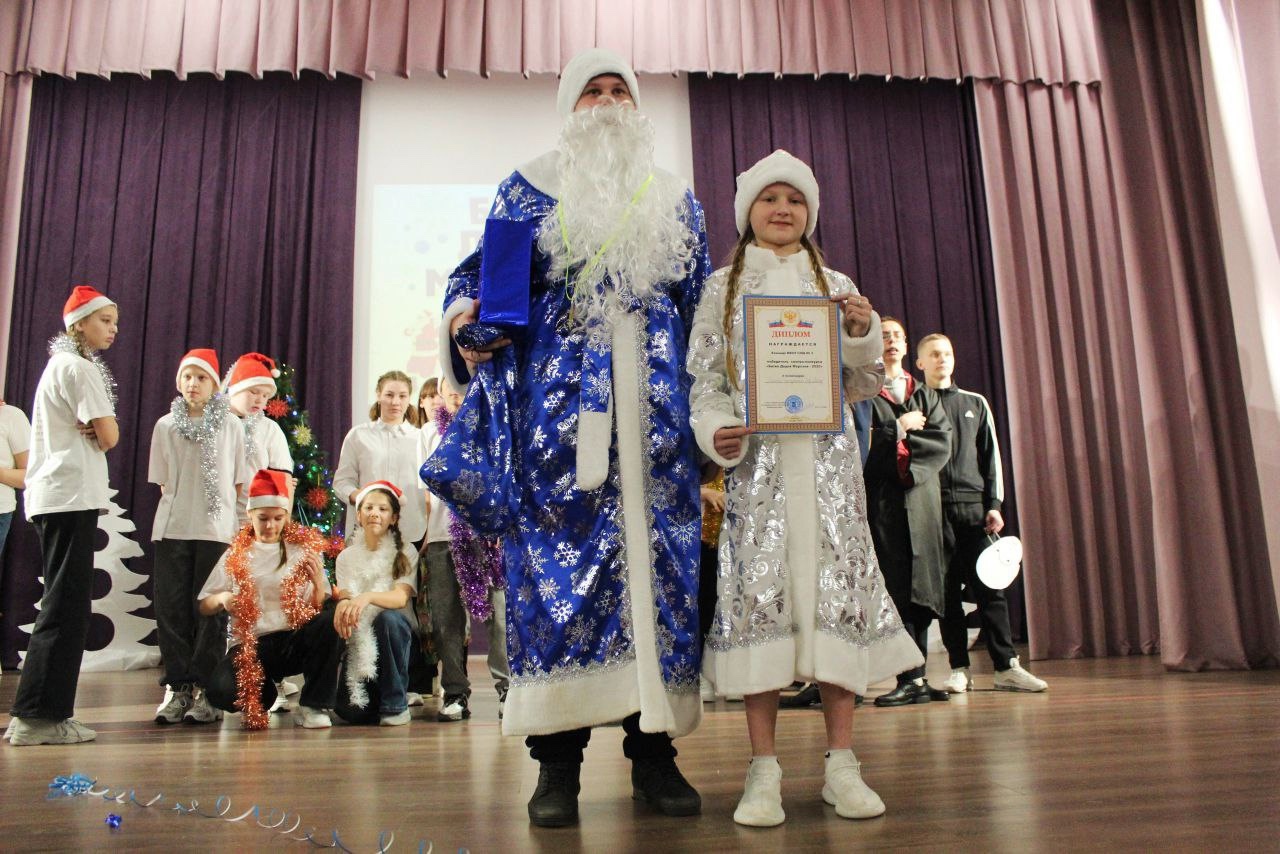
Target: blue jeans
387, 692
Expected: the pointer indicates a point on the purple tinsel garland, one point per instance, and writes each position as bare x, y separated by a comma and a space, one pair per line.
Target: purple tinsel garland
477, 561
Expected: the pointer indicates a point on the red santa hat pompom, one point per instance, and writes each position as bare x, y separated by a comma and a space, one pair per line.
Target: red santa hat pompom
781, 167
251, 369
269, 488
84, 301
204, 359
384, 485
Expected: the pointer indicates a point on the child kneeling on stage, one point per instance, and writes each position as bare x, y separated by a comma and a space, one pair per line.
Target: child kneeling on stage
272, 583
800, 592
376, 580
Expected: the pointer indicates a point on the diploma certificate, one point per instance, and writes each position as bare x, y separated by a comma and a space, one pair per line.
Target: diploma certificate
793, 364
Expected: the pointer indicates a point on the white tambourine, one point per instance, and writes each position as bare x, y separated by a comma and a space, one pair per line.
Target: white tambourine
999, 563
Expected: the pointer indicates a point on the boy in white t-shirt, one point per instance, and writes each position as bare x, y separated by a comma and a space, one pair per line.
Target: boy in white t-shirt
198, 461
249, 385
15, 441
73, 425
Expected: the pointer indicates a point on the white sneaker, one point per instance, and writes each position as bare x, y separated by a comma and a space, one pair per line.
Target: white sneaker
399, 719
958, 682
176, 702
281, 703
761, 802
309, 718
201, 711
845, 790
1017, 679
414, 698
284, 686
455, 709
37, 731
8, 731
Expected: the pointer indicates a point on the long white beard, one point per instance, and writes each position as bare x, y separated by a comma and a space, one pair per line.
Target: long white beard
606, 155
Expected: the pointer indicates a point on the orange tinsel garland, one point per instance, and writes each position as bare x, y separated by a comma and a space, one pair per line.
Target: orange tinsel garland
298, 609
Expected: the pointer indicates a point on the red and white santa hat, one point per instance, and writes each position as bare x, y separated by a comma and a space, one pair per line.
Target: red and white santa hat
269, 488
84, 301
204, 359
251, 369
384, 485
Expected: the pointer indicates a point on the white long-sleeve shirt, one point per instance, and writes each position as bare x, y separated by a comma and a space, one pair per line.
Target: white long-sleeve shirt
392, 452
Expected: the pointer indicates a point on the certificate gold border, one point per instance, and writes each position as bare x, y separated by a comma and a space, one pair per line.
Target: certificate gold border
836, 424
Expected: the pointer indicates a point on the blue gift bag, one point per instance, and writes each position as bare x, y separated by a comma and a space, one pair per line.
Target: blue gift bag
504, 271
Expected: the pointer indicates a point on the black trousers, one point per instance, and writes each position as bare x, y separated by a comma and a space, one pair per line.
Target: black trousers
965, 540
51, 669
567, 746
896, 565
708, 576
190, 645
314, 649
916, 620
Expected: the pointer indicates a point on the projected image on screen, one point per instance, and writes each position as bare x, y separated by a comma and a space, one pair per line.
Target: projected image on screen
420, 233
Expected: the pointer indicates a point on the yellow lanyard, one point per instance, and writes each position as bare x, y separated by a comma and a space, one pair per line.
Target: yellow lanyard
589, 267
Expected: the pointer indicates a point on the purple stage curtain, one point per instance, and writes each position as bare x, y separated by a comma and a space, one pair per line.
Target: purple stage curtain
1047, 40
902, 210
216, 213
1139, 484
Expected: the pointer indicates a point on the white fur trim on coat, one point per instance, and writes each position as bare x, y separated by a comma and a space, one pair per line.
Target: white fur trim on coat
856, 352
704, 431
595, 437
457, 307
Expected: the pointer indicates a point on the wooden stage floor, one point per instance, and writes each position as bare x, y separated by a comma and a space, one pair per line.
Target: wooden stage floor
1117, 755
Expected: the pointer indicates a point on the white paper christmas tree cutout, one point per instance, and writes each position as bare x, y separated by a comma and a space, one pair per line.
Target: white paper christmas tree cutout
126, 650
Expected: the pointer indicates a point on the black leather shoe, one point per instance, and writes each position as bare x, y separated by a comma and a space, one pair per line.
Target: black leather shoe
555, 800
904, 695
937, 695
659, 783
858, 700
802, 699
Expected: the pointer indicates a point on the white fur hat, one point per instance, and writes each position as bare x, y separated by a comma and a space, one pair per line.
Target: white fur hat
781, 167
584, 67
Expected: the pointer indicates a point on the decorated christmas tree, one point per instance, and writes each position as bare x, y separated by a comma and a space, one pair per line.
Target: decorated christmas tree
315, 503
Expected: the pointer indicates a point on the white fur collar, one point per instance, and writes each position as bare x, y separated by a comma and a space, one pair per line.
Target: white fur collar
369, 571
765, 259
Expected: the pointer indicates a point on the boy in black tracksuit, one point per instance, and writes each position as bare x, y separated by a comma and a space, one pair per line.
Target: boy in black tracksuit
972, 491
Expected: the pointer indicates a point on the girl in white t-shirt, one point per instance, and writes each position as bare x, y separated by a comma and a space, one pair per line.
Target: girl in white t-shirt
377, 579
388, 447
197, 460
272, 583
73, 425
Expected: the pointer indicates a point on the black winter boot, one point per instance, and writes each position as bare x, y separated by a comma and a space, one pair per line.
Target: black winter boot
659, 783
555, 800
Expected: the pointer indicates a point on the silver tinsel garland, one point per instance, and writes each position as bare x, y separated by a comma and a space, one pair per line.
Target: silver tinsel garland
250, 426
205, 431
64, 343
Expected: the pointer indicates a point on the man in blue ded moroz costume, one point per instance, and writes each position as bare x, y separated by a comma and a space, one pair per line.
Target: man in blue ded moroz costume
598, 459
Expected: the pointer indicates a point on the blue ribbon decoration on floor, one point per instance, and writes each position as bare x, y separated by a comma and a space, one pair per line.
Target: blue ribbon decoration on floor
72, 785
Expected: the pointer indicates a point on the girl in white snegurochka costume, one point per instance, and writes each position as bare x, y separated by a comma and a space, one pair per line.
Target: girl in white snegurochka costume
800, 595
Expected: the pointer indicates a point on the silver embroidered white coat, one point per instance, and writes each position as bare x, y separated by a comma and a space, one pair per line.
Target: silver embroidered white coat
799, 590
